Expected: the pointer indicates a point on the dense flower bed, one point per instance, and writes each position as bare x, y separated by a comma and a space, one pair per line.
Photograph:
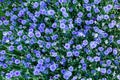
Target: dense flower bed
60, 40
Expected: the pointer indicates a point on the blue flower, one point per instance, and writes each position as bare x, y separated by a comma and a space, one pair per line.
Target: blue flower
17, 61
71, 68
96, 58
17, 73
1, 22
96, 10
51, 12
78, 47
67, 46
53, 67
36, 72
62, 25
19, 33
108, 62
100, 48
30, 34
67, 75
76, 53
109, 71
65, 14
54, 25
35, 4
85, 43
118, 41
11, 48
19, 47
8, 76
89, 15
106, 17
93, 44
86, 1
5, 22
115, 51
54, 37
97, 1
88, 8
37, 34
103, 70
43, 4
80, 14
63, 9
107, 8
69, 54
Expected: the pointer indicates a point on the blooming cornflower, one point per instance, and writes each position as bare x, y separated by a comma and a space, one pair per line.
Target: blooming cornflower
53, 67
115, 51
67, 46
118, 41
19, 33
96, 58
103, 70
67, 75
17, 61
2, 58
71, 68
96, 10
54, 54
84, 43
65, 14
11, 48
93, 44
109, 71
8, 76
5, 22
80, 14
54, 25
86, 1
91, 59
42, 4
35, 5
76, 53
106, 17
30, 34
62, 25
69, 54
78, 47
108, 62
97, 1
23, 22
19, 47
1, 22
89, 15
63, 9
88, 8
36, 72
54, 37
2, 52
107, 8
51, 12
37, 34
47, 60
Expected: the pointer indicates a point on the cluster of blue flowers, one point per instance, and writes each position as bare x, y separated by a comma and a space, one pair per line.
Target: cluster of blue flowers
60, 40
